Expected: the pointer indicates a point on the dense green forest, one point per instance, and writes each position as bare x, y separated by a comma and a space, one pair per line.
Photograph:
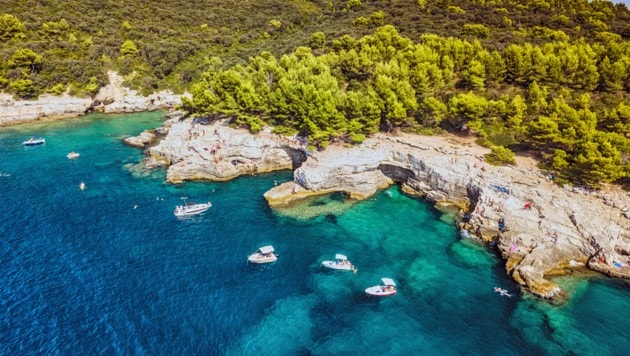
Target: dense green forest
549, 76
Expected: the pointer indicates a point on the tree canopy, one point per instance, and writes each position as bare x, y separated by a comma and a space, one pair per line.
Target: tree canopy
80, 40
387, 81
551, 76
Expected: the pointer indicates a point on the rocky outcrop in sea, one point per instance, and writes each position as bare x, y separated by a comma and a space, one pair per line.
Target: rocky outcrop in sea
218, 152
540, 229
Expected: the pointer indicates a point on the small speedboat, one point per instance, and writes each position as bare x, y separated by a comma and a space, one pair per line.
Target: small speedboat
82, 186
340, 263
72, 155
34, 141
386, 289
264, 254
191, 209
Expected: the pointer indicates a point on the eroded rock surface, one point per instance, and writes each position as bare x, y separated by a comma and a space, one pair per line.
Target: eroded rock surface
113, 98
140, 141
14, 112
219, 153
540, 229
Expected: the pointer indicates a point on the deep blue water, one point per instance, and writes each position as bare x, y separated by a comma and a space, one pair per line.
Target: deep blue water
85, 272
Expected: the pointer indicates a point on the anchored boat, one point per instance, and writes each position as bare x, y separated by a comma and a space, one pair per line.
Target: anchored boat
191, 208
340, 263
264, 254
34, 141
386, 289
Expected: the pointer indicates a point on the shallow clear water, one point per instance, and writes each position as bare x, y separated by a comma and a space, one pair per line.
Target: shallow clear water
85, 272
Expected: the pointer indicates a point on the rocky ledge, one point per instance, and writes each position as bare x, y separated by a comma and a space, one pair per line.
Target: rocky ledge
113, 98
541, 230
217, 152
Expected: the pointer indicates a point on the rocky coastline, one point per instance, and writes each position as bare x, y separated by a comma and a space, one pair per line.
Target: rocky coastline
541, 230
113, 98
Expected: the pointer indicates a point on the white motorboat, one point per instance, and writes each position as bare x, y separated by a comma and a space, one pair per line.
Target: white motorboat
191, 208
264, 254
386, 289
340, 263
72, 155
34, 141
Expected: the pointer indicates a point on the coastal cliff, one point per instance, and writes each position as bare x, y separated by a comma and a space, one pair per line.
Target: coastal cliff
540, 229
219, 153
113, 98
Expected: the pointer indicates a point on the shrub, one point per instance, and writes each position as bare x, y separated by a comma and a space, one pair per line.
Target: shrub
475, 30
10, 27
317, 40
128, 48
500, 155
455, 10
357, 138
57, 89
23, 88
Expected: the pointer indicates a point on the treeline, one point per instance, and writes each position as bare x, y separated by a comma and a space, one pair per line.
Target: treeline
59, 46
68, 46
568, 100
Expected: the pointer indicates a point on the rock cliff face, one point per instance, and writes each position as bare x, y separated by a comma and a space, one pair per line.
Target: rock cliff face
541, 229
113, 98
219, 153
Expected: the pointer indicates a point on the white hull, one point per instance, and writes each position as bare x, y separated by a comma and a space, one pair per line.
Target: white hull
338, 266
188, 210
257, 258
34, 142
72, 155
380, 291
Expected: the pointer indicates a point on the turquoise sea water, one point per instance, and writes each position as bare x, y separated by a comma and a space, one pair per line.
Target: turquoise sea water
84, 272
